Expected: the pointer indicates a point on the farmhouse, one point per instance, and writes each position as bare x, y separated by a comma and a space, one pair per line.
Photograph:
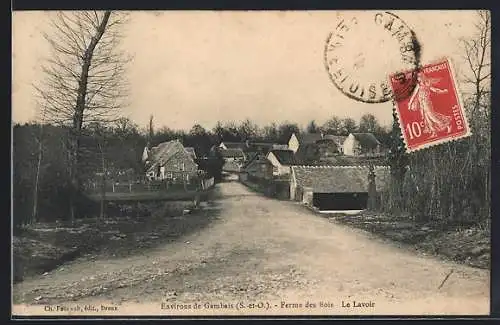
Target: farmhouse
281, 160
298, 140
358, 144
169, 160
233, 145
336, 187
233, 155
259, 167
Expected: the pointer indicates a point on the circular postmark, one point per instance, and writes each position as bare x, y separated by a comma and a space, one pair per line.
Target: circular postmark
364, 49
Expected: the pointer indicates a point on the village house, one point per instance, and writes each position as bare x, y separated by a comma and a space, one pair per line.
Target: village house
281, 161
298, 140
359, 144
259, 167
311, 147
233, 155
225, 145
339, 188
169, 161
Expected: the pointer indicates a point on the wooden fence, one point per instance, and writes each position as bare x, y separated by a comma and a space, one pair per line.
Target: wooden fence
149, 186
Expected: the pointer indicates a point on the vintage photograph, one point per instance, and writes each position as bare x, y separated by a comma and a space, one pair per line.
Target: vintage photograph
271, 163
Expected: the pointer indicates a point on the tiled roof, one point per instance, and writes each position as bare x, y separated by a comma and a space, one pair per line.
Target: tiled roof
307, 138
336, 179
366, 140
232, 153
285, 157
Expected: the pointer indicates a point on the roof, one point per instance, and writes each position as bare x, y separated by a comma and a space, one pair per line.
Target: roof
255, 157
232, 153
338, 179
366, 140
191, 151
307, 138
235, 145
165, 151
285, 157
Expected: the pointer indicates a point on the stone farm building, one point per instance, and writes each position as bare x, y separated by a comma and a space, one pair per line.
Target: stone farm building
170, 161
336, 187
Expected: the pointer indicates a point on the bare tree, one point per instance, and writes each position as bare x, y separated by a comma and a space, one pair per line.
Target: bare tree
477, 55
84, 76
477, 76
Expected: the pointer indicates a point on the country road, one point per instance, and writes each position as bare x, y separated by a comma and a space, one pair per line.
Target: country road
263, 250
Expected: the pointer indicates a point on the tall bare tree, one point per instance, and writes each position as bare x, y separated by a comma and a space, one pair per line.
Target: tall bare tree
477, 78
84, 76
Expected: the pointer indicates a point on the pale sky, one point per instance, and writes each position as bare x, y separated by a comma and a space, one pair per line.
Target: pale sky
202, 66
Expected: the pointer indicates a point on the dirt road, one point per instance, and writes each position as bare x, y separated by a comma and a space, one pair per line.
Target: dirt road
266, 257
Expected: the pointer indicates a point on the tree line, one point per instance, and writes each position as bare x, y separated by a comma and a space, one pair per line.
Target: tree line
42, 163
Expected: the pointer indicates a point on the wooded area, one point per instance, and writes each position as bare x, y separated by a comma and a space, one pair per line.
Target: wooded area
451, 183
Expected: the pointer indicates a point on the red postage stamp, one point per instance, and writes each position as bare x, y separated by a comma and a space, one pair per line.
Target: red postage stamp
431, 110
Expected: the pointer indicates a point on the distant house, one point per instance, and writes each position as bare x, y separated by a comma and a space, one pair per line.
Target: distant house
233, 145
169, 160
311, 147
335, 187
258, 167
357, 144
233, 155
281, 160
298, 140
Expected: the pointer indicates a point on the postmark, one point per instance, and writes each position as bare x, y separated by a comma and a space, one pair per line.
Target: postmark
434, 112
363, 48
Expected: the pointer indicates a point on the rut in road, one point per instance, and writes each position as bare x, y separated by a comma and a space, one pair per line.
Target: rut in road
260, 248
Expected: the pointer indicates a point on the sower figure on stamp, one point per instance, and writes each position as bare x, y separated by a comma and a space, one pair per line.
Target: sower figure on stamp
433, 121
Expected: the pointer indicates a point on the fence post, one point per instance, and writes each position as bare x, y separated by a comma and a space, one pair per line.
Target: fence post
130, 187
113, 187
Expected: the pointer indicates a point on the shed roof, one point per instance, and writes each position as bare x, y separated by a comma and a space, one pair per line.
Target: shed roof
339, 179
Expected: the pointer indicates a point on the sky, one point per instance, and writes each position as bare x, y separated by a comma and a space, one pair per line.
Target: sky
204, 66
